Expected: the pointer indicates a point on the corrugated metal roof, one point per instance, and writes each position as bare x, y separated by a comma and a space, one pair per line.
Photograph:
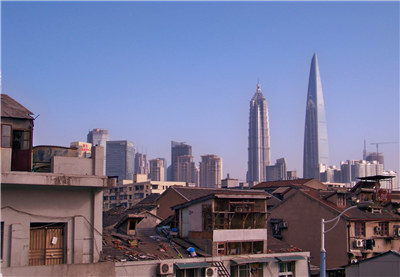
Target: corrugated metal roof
13, 109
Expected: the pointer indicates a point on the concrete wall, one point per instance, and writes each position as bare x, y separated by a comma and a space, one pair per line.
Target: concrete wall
240, 235
78, 270
196, 213
5, 159
71, 165
169, 199
149, 268
303, 216
271, 269
79, 208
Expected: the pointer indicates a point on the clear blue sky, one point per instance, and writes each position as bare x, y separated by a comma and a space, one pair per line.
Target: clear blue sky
155, 72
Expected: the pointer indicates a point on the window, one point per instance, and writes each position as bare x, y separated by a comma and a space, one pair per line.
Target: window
286, 269
341, 201
221, 249
384, 229
21, 140
359, 229
105, 197
247, 270
132, 225
5, 135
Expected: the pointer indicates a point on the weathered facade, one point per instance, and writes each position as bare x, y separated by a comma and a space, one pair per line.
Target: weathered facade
53, 217
359, 234
232, 223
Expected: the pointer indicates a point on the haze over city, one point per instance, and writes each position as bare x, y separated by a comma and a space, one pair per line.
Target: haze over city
155, 72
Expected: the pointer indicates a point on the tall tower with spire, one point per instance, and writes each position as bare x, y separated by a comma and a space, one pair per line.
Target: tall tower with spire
316, 150
259, 142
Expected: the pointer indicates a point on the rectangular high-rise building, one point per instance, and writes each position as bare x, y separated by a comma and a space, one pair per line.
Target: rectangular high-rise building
178, 149
120, 157
210, 171
99, 137
157, 170
186, 170
259, 150
141, 165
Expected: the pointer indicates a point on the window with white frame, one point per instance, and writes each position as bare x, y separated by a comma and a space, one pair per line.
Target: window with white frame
286, 269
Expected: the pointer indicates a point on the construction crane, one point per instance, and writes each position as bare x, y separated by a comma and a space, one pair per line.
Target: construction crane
378, 143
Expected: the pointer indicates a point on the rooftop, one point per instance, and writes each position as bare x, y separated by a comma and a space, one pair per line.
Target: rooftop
11, 108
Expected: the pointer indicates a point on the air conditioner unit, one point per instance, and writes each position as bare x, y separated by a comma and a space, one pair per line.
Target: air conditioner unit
377, 229
211, 272
358, 243
166, 268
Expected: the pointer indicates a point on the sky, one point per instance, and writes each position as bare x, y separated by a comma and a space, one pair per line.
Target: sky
153, 72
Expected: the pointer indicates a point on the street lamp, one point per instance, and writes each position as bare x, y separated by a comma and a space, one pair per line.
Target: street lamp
322, 269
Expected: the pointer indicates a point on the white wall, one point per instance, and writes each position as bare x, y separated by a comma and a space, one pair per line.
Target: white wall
80, 208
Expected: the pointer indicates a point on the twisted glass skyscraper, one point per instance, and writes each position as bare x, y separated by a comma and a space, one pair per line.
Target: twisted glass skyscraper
316, 150
259, 142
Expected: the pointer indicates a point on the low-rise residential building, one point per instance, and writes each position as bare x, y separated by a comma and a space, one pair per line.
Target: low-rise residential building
386, 264
225, 222
359, 233
52, 217
130, 193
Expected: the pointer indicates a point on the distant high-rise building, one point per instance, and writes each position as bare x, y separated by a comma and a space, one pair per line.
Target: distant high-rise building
99, 137
157, 170
316, 150
141, 165
353, 169
120, 156
186, 170
210, 171
178, 149
259, 150
276, 172
374, 156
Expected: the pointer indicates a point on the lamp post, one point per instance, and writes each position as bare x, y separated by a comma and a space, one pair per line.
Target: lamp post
322, 268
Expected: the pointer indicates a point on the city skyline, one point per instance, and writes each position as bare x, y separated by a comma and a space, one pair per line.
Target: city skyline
106, 65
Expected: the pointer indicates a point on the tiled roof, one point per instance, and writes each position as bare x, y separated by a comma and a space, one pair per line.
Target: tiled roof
353, 214
277, 246
150, 199
11, 108
191, 193
282, 183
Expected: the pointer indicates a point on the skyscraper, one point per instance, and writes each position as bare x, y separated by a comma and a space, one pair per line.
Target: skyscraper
99, 137
210, 171
316, 150
120, 157
259, 141
178, 149
186, 170
157, 170
141, 165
